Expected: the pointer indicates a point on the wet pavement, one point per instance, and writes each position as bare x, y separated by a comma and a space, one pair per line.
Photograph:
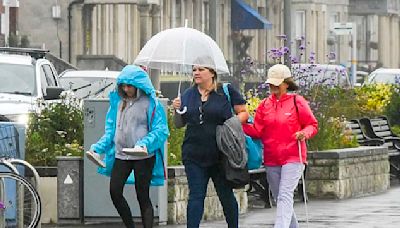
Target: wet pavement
375, 211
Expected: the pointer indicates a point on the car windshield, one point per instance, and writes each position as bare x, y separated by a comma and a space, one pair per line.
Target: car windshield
17, 79
385, 78
88, 87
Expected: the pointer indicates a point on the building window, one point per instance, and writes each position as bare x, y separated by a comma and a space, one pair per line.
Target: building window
204, 17
178, 12
333, 40
300, 23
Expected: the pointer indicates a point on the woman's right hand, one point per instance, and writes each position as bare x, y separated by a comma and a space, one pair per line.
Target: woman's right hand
176, 103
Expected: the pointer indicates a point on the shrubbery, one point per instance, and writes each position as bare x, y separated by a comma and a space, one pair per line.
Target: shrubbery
57, 130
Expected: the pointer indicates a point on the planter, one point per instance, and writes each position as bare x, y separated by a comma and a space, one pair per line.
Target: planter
346, 173
47, 191
43, 171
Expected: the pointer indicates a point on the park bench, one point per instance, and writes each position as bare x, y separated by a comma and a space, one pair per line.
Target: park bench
258, 186
362, 139
379, 128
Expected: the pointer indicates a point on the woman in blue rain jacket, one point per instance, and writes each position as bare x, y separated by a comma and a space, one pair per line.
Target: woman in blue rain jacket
134, 120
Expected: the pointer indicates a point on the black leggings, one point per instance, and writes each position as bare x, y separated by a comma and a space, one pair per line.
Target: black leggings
143, 173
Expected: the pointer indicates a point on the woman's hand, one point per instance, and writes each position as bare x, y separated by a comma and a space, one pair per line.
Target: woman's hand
241, 112
176, 103
300, 135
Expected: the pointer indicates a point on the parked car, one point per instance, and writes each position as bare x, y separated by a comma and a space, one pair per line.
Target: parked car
382, 75
89, 83
325, 74
26, 77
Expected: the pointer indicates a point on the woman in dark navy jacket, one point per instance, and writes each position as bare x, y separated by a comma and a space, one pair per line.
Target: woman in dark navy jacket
207, 106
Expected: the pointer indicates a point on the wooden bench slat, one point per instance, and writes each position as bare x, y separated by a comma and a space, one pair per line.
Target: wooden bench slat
383, 134
381, 128
378, 122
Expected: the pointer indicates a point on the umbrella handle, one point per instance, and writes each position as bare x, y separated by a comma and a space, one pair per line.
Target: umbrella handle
184, 110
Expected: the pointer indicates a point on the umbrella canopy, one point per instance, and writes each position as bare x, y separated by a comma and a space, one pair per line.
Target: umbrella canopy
178, 49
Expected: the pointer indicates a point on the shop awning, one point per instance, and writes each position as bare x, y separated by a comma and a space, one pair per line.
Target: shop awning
244, 16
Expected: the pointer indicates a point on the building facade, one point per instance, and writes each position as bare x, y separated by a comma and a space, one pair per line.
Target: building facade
8, 22
121, 27
378, 31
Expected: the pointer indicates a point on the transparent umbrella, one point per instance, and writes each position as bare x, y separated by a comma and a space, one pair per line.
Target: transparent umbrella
179, 49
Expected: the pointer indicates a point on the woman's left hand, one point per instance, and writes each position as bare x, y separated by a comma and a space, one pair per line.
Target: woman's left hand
300, 135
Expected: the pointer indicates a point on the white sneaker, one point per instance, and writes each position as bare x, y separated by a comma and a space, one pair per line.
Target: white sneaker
95, 158
136, 151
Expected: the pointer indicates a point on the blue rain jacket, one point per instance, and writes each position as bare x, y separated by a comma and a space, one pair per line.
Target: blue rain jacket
158, 127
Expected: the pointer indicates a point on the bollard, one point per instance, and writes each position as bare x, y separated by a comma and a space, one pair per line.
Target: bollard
70, 190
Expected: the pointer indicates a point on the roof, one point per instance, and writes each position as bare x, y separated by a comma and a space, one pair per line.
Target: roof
15, 59
90, 74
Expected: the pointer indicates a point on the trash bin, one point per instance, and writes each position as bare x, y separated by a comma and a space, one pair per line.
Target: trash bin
69, 190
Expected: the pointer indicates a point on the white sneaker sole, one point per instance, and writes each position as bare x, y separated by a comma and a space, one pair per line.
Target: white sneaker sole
94, 159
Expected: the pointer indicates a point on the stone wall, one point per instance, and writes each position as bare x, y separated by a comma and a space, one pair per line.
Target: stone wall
178, 193
345, 173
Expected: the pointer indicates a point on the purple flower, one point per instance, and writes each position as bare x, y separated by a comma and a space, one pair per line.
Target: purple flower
2, 206
331, 56
285, 49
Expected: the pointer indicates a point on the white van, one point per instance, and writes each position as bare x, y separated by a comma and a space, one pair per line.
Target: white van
89, 83
382, 75
326, 74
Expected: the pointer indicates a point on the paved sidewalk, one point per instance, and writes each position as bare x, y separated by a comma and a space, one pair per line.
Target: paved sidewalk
376, 211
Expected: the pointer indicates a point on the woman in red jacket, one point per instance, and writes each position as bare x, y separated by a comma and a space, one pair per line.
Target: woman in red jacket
281, 121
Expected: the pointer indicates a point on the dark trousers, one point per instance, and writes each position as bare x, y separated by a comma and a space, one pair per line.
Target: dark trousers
143, 173
198, 178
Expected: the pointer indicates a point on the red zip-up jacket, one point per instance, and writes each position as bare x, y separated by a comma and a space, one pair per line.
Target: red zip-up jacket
276, 122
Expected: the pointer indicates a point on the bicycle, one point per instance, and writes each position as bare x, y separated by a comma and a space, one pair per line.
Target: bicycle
20, 204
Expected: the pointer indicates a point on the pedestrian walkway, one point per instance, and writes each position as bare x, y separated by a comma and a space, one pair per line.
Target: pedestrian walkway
376, 211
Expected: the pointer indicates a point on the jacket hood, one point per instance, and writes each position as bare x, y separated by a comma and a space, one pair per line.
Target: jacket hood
135, 76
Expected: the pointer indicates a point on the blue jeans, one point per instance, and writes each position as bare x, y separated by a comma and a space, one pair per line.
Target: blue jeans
198, 178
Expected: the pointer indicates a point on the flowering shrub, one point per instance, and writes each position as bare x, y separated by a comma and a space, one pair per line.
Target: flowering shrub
253, 100
57, 130
375, 98
392, 110
333, 133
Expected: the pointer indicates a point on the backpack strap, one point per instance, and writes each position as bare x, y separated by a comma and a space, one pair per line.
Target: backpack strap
295, 105
228, 96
